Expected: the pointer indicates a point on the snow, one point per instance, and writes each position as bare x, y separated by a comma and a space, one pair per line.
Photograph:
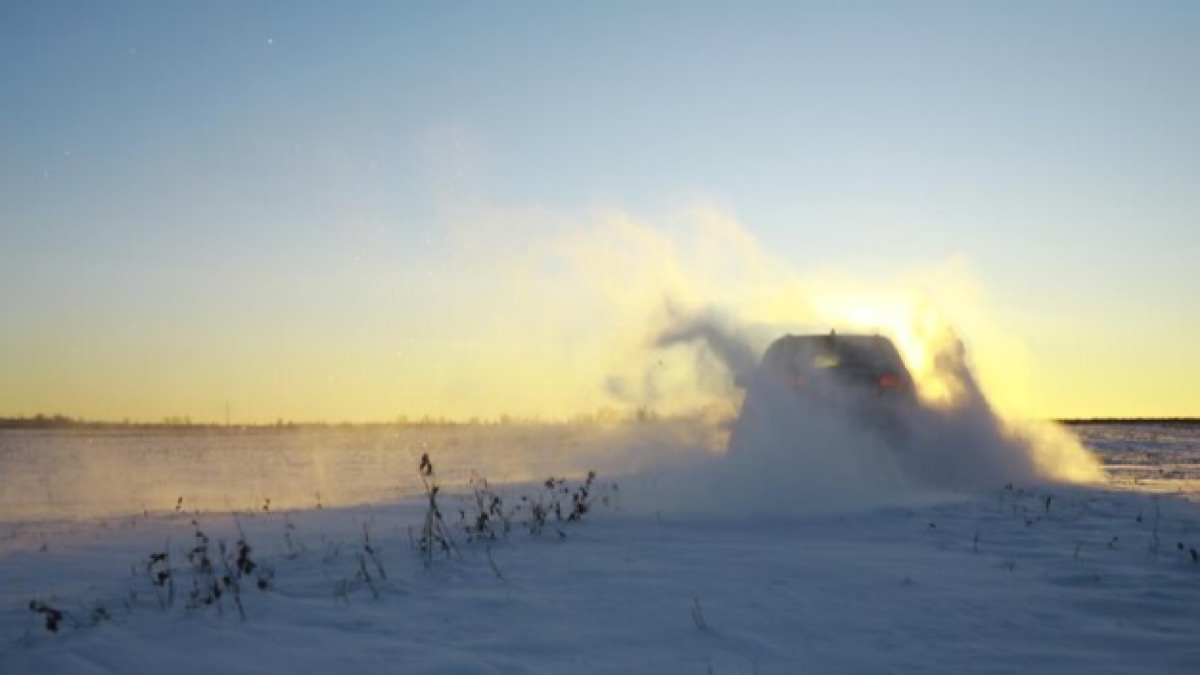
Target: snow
1028, 577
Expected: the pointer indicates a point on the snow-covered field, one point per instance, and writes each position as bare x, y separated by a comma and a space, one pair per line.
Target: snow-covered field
671, 569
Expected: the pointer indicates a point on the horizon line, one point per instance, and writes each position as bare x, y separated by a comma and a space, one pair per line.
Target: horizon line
634, 415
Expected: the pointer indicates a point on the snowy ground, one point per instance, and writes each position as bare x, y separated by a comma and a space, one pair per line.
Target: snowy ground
1011, 579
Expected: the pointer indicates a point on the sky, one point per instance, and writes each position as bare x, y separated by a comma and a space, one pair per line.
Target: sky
313, 212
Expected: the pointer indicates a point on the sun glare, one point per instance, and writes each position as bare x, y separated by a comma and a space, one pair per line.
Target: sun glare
937, 358
920, 335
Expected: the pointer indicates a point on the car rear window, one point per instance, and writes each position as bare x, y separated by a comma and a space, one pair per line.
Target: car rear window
856, 352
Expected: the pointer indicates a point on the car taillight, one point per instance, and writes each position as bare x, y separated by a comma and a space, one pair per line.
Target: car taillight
890, 382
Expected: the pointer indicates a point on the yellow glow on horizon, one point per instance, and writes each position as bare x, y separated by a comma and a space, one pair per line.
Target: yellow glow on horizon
532, 312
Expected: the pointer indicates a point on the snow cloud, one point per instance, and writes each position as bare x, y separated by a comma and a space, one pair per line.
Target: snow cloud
665, 316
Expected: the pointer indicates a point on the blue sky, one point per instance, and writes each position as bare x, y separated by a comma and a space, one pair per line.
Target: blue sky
172, 170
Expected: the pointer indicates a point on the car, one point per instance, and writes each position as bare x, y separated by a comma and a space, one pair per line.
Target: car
860, 377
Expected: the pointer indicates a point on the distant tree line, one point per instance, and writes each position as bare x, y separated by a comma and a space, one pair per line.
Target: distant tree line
1147, 421
602, 415
40, 422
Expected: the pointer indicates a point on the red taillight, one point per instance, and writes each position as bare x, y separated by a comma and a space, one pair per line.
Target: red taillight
890, 382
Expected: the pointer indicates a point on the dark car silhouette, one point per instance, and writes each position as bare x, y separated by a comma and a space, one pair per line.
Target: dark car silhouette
861, 377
